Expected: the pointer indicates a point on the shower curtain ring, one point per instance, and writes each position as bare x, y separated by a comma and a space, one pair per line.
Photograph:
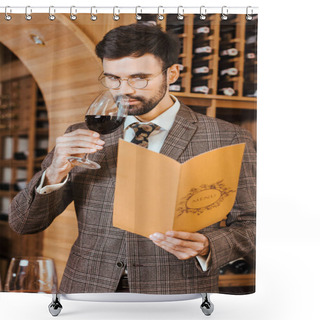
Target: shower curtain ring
180, 13
160, 15
73, 14
93, 16
224, 13
138, 17
116, 15
51, 13
6, 15
249, 15
28, 16
203, 12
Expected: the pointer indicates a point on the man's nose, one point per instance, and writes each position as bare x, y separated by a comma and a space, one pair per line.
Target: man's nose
125, 88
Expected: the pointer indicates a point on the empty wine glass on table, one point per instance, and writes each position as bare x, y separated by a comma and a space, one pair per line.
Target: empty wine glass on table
104, 115
31, 274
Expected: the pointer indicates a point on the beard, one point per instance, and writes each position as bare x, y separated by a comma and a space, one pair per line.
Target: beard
146, 105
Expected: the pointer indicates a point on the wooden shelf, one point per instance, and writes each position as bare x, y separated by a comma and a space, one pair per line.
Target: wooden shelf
13, 163
8, 194
214, 96
237, 280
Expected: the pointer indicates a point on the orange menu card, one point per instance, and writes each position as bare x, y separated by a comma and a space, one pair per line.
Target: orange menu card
155, 193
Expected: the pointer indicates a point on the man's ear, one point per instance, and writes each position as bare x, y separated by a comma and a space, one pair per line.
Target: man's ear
173, 73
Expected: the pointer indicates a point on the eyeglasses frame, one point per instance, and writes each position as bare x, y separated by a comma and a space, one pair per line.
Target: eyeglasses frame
101, 77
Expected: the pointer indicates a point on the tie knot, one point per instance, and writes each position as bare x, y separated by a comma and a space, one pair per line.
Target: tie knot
142, 132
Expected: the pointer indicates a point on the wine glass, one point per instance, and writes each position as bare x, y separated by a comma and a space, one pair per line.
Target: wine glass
104, 115
31, 274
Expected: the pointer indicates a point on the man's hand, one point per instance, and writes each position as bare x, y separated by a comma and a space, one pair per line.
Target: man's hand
184, 245
76, 143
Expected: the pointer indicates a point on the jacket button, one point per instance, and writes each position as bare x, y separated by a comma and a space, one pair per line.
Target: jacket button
120, 264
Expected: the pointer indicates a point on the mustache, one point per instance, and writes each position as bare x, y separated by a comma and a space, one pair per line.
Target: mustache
130, 97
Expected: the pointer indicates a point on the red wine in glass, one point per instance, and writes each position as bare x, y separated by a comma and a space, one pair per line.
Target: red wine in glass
104, 116
103, 124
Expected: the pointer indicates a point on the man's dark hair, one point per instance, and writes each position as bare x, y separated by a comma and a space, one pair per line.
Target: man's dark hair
138, 39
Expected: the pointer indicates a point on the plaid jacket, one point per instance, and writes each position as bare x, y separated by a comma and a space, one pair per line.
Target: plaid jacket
101, 252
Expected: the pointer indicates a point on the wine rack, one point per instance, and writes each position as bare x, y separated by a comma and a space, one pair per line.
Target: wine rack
23, 145
219, 66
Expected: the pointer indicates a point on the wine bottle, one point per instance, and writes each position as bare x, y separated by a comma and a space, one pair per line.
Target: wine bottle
251, 56
230, 52
227, 32
229, 72
204, 70
204, 29
200, 86
203, 50
177, 86
249, 89
5, 186
200, 89
240, 266
21, 155
228, 91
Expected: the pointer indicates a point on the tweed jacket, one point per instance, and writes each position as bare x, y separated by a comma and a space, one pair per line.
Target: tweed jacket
101, 251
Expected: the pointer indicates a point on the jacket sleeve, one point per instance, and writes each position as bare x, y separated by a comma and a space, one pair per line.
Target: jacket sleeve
237, 239
31, 211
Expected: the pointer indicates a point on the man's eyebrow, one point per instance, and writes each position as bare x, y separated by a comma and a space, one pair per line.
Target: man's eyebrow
139, 74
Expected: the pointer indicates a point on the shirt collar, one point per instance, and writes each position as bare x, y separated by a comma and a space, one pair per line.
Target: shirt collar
164, 120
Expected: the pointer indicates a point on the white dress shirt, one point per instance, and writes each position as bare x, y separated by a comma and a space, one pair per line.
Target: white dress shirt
156, 139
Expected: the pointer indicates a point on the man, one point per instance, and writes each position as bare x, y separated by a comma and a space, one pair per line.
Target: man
140, 62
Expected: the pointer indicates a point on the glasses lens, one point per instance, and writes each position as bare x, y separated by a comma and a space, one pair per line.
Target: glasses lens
110, 83
138, 83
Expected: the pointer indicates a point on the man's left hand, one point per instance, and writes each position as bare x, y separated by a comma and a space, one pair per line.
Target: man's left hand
184, 245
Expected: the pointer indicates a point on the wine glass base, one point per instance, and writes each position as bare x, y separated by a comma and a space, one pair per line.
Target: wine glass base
84, 163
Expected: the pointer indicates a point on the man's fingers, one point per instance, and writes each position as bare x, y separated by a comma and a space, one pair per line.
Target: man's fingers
178, 244
78, 139
79, 144
83, 132
67, 151
191, 236
181, 255
195, 243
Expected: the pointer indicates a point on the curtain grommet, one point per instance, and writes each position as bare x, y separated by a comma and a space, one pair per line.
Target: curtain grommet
116, 15
224, 13
73, 13
28, 12
180, 13
249, 16
160, 15
51, 13
93, 16
203, 13
6, 14
138, 16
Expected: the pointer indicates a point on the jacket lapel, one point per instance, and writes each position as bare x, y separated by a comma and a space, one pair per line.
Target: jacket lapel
182, 131
179, 136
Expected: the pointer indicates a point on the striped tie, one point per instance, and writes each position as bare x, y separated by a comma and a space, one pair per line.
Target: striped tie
142, 132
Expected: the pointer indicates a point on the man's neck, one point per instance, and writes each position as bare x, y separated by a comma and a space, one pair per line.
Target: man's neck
166, 103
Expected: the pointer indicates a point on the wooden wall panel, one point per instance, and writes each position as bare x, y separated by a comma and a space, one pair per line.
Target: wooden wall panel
66, 70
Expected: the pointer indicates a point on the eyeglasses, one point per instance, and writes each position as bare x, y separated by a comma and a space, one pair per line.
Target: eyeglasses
112, 82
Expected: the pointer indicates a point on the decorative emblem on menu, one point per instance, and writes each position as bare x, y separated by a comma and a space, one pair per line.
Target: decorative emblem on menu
204, 198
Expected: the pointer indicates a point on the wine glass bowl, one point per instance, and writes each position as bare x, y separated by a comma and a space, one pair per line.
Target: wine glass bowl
31, 274
104, 115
